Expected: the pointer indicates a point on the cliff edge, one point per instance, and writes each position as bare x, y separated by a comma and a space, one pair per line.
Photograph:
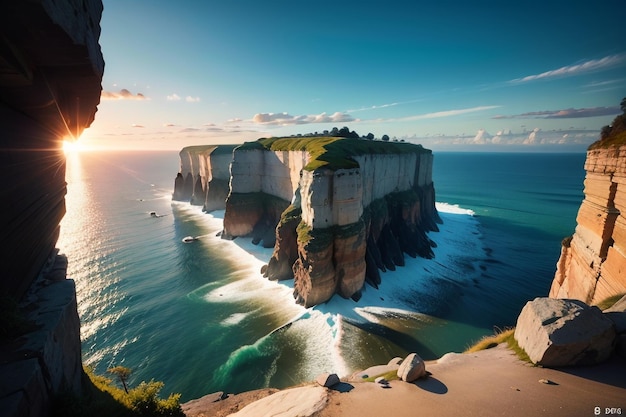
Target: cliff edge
336, 210
592, 265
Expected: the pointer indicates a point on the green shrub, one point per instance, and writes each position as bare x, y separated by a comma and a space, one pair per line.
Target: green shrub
144, 400
567, 241
102, 398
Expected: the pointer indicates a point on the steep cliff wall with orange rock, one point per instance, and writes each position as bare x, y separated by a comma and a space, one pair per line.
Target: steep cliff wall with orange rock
592, 265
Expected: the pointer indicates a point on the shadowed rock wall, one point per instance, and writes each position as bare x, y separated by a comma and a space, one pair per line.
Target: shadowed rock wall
50, 82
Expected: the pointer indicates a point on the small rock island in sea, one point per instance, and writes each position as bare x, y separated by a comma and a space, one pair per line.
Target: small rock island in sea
336, 210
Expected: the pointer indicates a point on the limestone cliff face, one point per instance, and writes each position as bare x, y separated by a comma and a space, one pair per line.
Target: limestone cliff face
204, 176
333, 226
592, 265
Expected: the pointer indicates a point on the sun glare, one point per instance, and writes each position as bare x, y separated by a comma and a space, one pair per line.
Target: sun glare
70, 146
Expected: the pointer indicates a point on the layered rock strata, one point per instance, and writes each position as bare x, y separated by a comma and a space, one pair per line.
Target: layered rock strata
51, 69
592, 265
335, 210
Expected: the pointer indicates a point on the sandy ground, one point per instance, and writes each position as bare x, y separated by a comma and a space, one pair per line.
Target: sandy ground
488, 383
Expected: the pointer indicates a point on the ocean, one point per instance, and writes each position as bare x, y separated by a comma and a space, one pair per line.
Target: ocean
199, 316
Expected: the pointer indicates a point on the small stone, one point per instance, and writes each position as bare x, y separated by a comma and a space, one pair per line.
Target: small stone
411, 368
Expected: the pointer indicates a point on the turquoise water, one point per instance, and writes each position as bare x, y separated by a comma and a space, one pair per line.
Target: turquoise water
200, 317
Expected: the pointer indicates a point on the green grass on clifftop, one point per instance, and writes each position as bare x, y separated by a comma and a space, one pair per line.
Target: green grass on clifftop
333, 152
505, 336
615, 140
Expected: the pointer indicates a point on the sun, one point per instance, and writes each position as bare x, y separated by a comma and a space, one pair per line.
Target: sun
72, 146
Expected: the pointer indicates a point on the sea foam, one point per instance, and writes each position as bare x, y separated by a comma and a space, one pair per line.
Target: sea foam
404, 293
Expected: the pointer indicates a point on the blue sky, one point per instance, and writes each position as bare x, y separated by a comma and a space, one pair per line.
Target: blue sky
450, 74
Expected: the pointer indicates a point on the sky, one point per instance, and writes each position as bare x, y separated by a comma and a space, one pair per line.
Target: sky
452, 75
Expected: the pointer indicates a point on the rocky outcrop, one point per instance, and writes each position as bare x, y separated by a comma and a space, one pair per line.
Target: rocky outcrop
592, 265
355, 222
556, 332
50, 82
335, 210
46, 359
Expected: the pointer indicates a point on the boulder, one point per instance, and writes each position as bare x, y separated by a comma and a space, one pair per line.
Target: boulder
327, 380
411, 368
557, 332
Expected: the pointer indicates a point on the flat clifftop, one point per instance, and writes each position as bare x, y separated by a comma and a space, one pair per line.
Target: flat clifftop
333, 152
336, 210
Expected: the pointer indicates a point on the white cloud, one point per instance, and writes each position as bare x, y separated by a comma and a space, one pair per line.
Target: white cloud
284, 119
123, 94
571, 70
173, 97
446, 113
565, 113
190, 99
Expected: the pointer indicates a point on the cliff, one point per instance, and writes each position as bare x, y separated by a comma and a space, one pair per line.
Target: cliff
204, 175
592, 265
335, 210
50, 81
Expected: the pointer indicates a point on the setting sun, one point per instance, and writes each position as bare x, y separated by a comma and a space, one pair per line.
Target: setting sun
70, 146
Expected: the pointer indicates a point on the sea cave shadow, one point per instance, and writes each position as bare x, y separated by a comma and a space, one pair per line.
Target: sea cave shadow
610, 372
342, 387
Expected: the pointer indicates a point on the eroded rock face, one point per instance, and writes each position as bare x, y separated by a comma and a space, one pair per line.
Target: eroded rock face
332, 228
592, 265
557, 332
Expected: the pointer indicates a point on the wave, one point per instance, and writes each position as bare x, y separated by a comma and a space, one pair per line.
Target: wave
312, 341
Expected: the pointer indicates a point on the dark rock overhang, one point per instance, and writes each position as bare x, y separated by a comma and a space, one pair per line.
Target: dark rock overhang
51, 65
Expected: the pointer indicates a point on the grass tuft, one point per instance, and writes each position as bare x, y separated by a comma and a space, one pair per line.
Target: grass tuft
501, 336
609, 301
389, 376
